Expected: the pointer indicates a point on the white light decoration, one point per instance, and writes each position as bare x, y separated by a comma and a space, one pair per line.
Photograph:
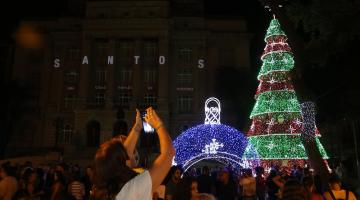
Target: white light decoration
292, 129
271, 122
173, 162
272, 81
212, 147
270, 146
298, 122
301, 146
212, 114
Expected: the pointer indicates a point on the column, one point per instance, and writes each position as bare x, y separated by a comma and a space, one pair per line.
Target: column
137, 87
163, 80
110, 82
84, 74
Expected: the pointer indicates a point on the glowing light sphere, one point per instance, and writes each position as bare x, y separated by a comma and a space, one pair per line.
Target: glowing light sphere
214, 142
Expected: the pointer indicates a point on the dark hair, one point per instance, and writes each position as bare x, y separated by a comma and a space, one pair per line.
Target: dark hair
27, 173
183, 191
308, 182
8, 169
110, 170
272, 174
60, 177
334, 178
293, 190
259, 170
175, 168
248, 172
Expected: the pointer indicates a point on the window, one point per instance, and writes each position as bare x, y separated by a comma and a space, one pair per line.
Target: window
150, 53
227, 56
184, 104
71, 76
74, 54
99, 99
184, 77
150, 100
70, 101
150, 49
125, 76
101, 53
102, 49
66, 134
185, 54
150, 76
125, 52
123, 99
100, 77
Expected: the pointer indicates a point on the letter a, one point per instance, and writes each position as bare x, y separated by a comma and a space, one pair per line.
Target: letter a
85, 60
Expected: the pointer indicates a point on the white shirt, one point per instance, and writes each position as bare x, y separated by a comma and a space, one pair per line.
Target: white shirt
138, 188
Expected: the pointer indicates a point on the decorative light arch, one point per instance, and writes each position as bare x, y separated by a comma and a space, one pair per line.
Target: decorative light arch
213, 141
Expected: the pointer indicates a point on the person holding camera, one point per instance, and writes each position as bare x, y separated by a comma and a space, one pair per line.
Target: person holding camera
114, 179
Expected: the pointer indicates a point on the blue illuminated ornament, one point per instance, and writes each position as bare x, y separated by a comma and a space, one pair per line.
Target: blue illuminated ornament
213, 141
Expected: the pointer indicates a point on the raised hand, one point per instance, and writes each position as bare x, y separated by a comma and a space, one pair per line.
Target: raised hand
138, 122
153, 119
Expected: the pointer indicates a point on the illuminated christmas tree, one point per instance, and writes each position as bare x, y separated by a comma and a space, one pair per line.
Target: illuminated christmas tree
277, 121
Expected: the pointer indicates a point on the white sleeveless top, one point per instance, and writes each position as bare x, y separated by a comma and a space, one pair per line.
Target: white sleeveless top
140, 187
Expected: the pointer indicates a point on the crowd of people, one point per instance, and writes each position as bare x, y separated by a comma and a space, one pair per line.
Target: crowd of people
30, 182
112, 176
279, 183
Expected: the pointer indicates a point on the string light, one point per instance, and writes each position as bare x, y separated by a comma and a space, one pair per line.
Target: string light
213, 141
276, 101
277, 117
282, 146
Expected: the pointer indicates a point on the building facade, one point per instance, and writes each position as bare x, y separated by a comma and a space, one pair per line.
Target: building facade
123, 55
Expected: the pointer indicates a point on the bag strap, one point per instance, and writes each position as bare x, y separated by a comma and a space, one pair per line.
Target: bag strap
347, 195
332, 195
